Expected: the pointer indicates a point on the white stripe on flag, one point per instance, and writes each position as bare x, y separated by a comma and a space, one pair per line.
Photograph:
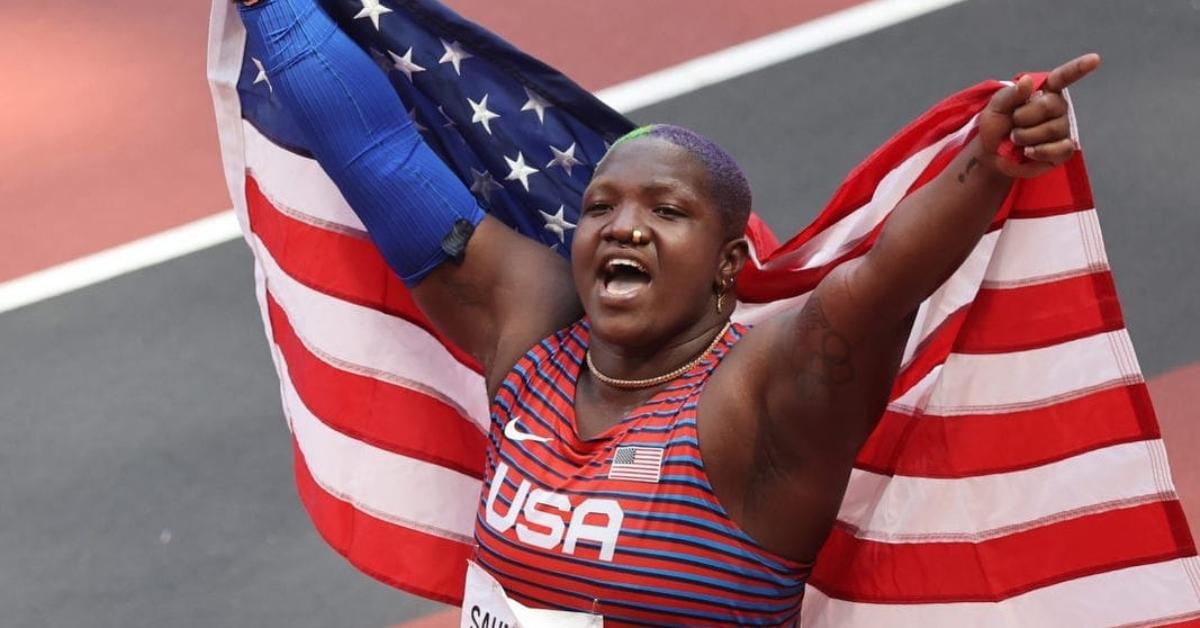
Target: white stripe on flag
986, 383
1025, 251
1035, 250
370, 343
387, 486
755, 313
297, 184
959, 290
1125, 596
908, 509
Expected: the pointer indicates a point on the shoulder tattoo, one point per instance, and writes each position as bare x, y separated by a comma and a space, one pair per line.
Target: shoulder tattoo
826, 360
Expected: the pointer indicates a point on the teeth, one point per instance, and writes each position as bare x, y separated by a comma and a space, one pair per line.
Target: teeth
626, 262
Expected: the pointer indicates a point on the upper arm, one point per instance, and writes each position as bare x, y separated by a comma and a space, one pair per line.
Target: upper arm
832, 364
787, 411
814, 380
507, 293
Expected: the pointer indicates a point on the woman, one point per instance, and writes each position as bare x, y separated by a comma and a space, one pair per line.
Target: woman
649, 461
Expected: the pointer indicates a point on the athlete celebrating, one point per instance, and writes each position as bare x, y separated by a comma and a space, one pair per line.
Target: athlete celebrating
648, 460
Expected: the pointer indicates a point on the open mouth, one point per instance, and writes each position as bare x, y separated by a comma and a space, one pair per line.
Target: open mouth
624, 277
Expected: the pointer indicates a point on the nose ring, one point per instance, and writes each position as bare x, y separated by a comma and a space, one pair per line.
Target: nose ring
637, 236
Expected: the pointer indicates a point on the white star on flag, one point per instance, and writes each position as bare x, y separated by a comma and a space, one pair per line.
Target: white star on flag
405, 63
262, 74
520, 171
564, 158
482, 114
536, 104
372, 9
412, 114
484, 185
454, 55
557, 224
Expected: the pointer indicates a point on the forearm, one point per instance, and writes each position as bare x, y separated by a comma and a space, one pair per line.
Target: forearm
930, 234
354, 124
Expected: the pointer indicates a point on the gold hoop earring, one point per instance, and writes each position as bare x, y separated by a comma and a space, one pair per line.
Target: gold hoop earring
721, 297
636, 236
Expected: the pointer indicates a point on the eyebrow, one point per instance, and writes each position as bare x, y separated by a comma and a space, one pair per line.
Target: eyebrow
663, 186
656, 186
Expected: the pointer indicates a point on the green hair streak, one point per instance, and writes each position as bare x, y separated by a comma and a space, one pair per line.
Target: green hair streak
636, 133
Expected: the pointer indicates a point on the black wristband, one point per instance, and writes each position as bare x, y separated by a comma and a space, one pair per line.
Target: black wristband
454, 245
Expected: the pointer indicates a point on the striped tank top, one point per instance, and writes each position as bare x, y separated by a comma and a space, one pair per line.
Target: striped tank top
625, 525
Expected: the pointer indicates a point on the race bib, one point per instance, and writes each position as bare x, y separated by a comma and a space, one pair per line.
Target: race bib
485, 605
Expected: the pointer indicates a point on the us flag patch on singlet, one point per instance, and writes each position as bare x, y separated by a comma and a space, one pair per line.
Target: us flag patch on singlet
640, 464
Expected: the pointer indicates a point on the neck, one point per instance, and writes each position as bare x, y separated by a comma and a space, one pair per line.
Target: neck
644, 362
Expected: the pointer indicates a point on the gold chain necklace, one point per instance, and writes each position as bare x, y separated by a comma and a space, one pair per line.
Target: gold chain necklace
653, 381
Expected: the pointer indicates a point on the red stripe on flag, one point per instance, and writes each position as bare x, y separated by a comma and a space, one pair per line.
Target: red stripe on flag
980, 444
1004, 320
339, 265
1034, 316
1192, 621
1061, 191
932, 351
382, 414
1000, 568
408, 559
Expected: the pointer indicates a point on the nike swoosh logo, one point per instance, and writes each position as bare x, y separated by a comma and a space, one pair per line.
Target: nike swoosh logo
512, 433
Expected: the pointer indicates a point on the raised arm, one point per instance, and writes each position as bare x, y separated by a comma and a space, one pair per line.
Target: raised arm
491, 290
863, 311
820, 377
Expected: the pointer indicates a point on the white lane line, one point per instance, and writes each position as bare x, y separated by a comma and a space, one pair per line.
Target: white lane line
118, 260
652, 88
765, 51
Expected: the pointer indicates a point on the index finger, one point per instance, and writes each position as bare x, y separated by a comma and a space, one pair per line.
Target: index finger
1071, 71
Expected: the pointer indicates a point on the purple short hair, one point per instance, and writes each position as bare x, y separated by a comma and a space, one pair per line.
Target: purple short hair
727, 184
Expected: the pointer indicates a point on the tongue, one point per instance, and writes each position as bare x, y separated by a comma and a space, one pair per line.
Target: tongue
626, 283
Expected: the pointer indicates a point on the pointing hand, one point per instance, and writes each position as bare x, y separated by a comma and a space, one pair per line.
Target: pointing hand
1037, 122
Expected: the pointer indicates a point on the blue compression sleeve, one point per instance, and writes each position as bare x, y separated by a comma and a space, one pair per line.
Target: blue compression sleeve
415, 209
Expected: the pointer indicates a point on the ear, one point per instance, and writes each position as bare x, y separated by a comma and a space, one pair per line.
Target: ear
734, 255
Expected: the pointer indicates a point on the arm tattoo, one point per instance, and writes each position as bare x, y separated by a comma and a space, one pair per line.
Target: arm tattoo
827, 353
962, 176
823, 362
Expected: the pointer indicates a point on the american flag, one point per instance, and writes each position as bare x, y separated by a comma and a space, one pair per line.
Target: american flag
640, 464
1017, 477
